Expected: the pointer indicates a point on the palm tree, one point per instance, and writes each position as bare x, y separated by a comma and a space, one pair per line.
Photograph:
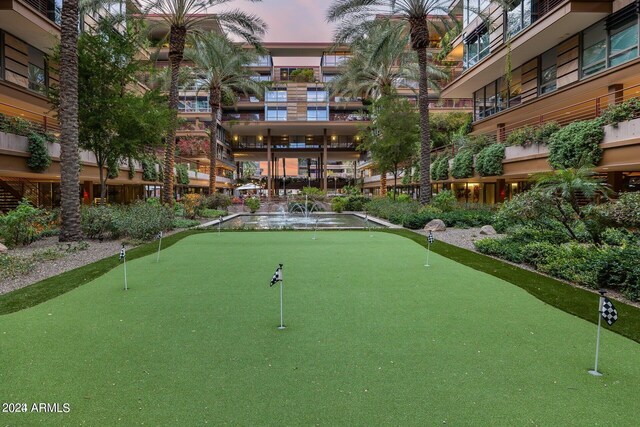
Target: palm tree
568, 189
181, 18
68, 114
221, 67
420, 17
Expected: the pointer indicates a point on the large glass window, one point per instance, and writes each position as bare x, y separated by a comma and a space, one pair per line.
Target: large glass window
623, 42
515, 88
37, 74
594, 49
476, 47
478, 104
316, 95
276, 95
548, 71
335, 58
518, 16
317, 114
276, 113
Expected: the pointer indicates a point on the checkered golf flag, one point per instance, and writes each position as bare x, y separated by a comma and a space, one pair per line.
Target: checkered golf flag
430, 237
123, 253
609, 312
277, 276
159, 236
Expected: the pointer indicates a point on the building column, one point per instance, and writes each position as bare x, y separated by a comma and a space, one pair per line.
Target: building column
269, 164
615, 180
501, 135
501, 190
324, 163
87, 192
616, 95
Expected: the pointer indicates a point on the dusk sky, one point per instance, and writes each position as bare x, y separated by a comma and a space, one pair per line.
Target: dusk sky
291, 20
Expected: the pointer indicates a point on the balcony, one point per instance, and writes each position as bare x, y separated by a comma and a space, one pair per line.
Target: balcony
36, 22
243, 117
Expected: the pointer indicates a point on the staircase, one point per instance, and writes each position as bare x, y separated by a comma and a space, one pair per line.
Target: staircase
12, 190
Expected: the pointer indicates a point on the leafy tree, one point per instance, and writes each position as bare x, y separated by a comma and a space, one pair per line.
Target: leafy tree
420, 18
180, 18
115, 122
393, 136
222, 70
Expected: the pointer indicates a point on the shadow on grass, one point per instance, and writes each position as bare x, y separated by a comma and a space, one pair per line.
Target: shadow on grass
572, 300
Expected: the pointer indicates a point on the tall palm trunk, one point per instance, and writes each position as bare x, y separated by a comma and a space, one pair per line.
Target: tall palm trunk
419, 43
214, 103
177, 39
383, 183
69, 156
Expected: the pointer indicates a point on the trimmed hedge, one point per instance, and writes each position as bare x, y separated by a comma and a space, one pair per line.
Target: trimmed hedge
576, 144
462, 164
489, 160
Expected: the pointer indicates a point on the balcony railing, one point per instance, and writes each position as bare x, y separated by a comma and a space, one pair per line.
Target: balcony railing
45, 123
50, 10
246, 117
348, 117
585, 110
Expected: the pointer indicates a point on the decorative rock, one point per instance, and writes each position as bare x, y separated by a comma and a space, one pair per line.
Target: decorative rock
435, 225
488, 230
3, 249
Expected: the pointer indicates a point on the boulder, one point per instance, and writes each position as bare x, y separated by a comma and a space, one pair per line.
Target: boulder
488, 230
435, 225
3, 249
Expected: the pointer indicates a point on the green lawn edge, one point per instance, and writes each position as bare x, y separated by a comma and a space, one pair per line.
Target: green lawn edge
570, 299
576, 301
54, 286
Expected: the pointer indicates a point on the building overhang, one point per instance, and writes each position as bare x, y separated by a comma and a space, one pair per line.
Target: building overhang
286, 128
23, 21
567, 20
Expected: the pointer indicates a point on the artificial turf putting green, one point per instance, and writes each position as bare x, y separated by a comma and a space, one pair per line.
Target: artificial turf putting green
373, 338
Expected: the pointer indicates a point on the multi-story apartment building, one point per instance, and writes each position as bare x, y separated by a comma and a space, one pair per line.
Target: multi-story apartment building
294, 130
566, 60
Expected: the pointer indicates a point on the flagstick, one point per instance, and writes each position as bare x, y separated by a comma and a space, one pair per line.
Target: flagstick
125, 274
315, 230
219, 224
159, 246
595, 372
281, 310
428, 251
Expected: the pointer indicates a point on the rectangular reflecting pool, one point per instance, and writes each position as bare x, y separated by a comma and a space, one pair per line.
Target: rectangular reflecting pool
298, 222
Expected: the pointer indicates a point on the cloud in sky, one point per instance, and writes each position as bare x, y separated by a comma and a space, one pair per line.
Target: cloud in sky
292, 20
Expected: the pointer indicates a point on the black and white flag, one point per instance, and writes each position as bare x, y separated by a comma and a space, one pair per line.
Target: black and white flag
277, 276
430, 237
159, 236
609, 312
123, 253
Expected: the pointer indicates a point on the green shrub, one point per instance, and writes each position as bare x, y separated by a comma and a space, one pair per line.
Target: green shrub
477, 143
217, 200
99, 222
149, 172
383, 207
356, 203
12, 266
617, 113
445, 201
440, 168
253, 203
313, 194
338, 204
462, 166
537, 253
524, 235
576, 144
529, 135
501, 248
182, 174
39, 159
618, 237
543, 133
624, 212
22, 225
143, 221
184, 223
489, 160
212, 213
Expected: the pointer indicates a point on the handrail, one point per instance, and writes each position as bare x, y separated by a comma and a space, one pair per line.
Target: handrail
48, 124
584, 110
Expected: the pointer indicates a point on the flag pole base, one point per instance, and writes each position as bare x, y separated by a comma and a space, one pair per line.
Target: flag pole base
282, 327
595, 373
427, 265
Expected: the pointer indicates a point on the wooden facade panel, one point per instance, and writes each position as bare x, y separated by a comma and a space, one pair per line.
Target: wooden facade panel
16, 44
16, 78
569, 44
568, 68
568, 78
529, 75
568, 57
16, 68
16, 56
531, 65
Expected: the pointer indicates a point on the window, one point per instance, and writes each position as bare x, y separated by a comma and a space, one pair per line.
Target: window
548, 71
316, 95
594, 49
328, 77
261, 78
476, 46
1, 55
276, 95
276, 113
37, 74
515, 88
472, 8
517, 17
478, 104
334, 59
317, 114
623, 42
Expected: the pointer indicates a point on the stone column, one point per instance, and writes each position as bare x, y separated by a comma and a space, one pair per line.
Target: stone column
269, 164
324, 161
